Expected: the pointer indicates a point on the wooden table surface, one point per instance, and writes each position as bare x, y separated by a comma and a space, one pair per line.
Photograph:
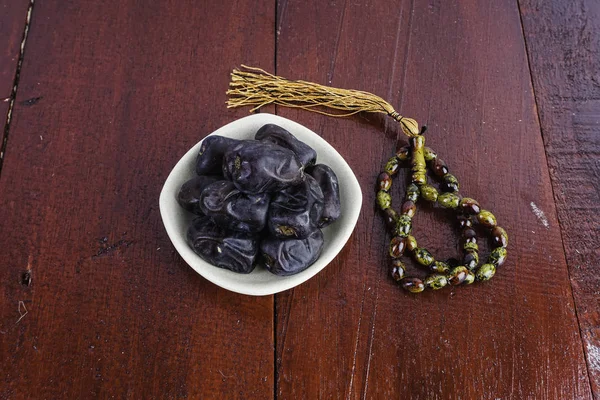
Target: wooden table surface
103, 97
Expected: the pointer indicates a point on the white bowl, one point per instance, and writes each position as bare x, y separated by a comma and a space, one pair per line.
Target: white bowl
261, 282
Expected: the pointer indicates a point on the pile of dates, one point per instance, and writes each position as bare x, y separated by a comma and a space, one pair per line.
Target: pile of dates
260, 202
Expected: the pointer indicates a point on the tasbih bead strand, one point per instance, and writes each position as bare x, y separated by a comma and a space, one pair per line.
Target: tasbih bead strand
441, 274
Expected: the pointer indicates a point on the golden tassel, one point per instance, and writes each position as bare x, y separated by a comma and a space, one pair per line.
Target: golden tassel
256, 87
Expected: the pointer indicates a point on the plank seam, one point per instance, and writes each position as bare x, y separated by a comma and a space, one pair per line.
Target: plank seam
275, 367
554, 197
13, 93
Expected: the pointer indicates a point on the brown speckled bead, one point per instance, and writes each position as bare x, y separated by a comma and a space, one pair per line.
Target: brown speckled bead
398, 270
469, 206
397, 246
411, 243
384, 181
457, 275
499, 237
464, 222
471, 259
403, 154
413, 285
391, 218
439, 167
409, 208
468, 233
486, 218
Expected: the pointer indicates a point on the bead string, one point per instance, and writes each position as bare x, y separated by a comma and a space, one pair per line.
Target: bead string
442, 273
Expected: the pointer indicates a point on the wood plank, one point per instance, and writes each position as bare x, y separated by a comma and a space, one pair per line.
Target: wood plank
12, 22
351, 332
125, 88
563, 42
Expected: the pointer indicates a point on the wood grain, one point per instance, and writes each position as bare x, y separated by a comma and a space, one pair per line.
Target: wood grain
12, 22
350, 332
124, 88
563, 42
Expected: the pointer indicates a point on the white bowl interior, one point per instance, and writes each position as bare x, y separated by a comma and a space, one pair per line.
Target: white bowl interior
260, 281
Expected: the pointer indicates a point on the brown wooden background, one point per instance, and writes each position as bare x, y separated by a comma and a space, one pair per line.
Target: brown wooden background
96, 303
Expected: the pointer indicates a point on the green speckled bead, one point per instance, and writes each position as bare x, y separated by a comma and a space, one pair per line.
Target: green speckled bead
411, 243
423, 257
384, 200
412, 192
498, 256
397, 246
486, 218
439, 267
470, 246
391, 167
448, 200
403, 226
449, 184
413, 285
499, 237
471, 259
429, 193
469, 206
486, 272
403, 154
470, 278
398, 269
429, 154
435, 281
384, 181
457, 275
